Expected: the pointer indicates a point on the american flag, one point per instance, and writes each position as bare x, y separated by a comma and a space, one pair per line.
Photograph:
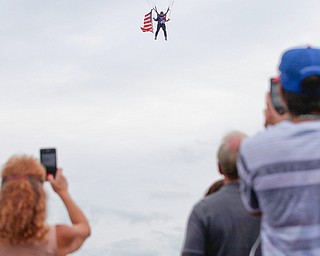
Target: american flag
147, 24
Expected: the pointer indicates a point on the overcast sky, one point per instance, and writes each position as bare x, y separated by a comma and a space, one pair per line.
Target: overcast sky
137, 122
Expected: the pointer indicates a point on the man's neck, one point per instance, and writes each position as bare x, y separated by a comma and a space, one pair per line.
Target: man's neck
227, 180
304, 118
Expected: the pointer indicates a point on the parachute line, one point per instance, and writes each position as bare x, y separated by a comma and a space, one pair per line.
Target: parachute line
151, 4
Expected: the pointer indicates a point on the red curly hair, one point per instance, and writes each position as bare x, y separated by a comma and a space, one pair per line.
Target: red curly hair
22, 201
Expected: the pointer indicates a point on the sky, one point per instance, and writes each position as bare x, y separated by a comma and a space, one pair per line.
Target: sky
136, 121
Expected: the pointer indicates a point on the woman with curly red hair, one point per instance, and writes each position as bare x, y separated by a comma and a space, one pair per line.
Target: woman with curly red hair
23, 230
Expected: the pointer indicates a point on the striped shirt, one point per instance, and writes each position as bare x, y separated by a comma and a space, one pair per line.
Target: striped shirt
280, 177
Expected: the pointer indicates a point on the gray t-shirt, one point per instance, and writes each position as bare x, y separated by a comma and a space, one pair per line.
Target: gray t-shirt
219, 225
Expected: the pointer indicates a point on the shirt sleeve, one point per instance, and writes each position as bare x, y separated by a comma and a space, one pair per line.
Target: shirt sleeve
195, 236
248, 195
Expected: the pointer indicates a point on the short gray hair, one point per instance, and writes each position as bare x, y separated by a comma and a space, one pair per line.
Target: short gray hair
228, 153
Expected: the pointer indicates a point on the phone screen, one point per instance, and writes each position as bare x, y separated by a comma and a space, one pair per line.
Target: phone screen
275, 96
48, 159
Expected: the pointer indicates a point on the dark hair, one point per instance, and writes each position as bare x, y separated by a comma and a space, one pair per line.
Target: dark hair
214, 187
311, 84
307, 102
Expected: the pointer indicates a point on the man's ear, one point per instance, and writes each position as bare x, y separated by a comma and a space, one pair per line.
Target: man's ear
219, 168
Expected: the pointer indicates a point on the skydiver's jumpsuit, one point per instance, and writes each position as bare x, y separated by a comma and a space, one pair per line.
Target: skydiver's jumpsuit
161, 24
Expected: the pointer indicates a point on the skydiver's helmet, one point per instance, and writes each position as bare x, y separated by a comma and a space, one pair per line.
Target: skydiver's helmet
161, 13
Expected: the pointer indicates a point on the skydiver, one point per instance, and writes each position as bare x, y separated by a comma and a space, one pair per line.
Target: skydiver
161, 18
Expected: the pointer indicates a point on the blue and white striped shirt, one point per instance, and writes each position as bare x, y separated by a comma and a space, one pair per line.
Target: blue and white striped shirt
280, 177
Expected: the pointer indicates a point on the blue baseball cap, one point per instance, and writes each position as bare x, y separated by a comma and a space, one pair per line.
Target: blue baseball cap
296, 65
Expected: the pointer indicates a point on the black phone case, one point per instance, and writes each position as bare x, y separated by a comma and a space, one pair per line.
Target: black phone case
48, 159
279, 107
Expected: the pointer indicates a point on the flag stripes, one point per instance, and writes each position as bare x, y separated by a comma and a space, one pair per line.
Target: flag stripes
147, 23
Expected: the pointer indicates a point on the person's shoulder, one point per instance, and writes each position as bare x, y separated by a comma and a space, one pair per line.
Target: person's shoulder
213, 205
210, 201
270, 146
282, 131
268, 136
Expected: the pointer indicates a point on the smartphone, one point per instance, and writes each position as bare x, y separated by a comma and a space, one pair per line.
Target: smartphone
48, 158
275, 96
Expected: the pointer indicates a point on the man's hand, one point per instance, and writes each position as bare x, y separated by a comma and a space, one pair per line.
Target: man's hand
271, 115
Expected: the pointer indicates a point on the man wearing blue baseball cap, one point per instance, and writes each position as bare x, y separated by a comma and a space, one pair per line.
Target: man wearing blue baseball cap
280, 167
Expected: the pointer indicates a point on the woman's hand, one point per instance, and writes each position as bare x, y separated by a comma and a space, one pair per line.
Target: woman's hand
59, 183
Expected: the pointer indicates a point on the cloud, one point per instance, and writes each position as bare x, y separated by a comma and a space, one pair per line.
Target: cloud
136, 217
132, 247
